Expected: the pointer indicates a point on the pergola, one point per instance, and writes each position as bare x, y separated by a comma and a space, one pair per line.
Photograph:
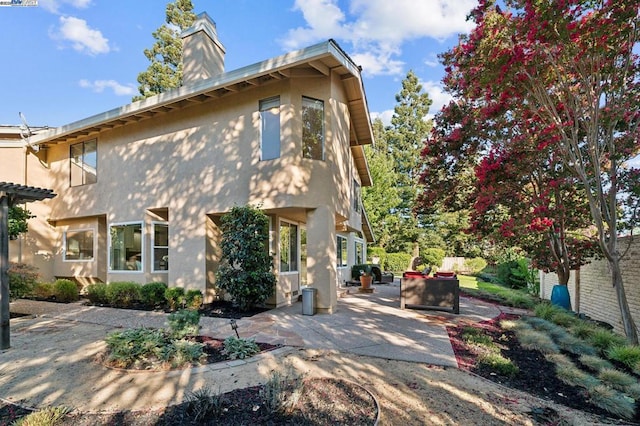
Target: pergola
10, 195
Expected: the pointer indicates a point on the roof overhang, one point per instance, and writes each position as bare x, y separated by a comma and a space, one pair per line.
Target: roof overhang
317, 60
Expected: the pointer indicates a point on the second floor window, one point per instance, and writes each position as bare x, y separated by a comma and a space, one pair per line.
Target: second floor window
312, 129
270, 128
357, 195
84, 163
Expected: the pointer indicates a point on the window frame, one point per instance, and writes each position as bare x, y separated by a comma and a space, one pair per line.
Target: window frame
297, 254
312, 102
154, 247
358, 242
110, 248
82, 164
342, 251
265, 107
65, 244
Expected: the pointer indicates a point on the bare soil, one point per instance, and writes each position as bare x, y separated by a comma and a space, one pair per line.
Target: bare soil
407, 393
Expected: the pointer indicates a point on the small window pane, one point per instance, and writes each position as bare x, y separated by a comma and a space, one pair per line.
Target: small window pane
79, 245
83, 163
312, 128
341, 250
359, 253
160, 247
270, 128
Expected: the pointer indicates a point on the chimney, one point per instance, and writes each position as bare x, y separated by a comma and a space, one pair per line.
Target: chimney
202, 52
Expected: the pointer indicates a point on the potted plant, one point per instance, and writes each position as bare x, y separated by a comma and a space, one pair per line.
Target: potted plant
366, 277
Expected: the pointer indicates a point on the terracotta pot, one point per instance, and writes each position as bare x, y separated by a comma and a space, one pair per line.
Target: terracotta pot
365, 281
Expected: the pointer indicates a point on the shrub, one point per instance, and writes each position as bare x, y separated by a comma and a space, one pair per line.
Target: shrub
183, 323
22, 279
97, 293
397, 262
246, 265
376, 252
595, 363
236, 348
50, 416
475, 265
433, 257
628, 355
152, 294
65, 290
175, 297
282, 391
498, 363
186, 352
612, 401
128, 346
193, 299
603, 340
43, 290
123, 294
204, 403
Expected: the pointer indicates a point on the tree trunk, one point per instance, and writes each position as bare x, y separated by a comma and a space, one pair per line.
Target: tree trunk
627, 320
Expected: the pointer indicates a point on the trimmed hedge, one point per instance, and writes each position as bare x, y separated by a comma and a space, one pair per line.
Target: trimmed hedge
397, 262
65, 290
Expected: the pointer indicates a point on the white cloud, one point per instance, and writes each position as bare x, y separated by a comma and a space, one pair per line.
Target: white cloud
53, 6
385, 116
99, 86
378, 28
83, 38
437, 95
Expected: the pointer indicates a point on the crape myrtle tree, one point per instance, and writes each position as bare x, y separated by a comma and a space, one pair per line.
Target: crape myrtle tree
564, 75
165, 70
18, 217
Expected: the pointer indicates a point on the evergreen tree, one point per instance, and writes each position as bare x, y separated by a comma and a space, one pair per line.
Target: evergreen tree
405, 138
165, 70
382, 198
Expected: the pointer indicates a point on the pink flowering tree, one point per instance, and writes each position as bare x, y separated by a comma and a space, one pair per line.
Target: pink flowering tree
562, 78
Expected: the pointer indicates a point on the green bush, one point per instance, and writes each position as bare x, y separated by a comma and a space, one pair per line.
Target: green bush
129, 346
628, 355
49, 416
43, 290
236, 348
152, 294
397, 262
97, 293
22, 279
193, 299
183, 323
123, 294
246, 267
65, 290
175, 297
475, 265
376, 252
433, 257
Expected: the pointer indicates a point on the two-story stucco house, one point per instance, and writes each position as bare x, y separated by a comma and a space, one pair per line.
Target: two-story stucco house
141, 188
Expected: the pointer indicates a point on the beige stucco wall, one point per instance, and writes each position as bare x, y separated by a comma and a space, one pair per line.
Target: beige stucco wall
198, 162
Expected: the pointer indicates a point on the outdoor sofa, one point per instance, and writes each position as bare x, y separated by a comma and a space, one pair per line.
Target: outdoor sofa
440, 292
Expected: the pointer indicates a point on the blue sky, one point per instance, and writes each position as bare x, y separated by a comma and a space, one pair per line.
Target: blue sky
65, 60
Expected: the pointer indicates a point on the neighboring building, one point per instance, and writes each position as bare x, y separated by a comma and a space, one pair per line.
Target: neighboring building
141, 188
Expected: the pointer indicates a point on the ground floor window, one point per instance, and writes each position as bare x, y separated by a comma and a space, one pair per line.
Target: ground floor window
359, 252
78, 244
341, 251
125, 247
160, 247
288, 247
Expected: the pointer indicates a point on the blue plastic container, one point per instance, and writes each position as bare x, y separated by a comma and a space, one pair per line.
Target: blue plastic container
560, 296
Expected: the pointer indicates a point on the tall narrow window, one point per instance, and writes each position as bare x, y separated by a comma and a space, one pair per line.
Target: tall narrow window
84, 163
160, 247
78, 245
125, 247
312, 128
288, 247
341, 250
359, 253
270, 128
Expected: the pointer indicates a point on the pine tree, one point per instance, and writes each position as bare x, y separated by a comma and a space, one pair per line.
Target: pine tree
165, 70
